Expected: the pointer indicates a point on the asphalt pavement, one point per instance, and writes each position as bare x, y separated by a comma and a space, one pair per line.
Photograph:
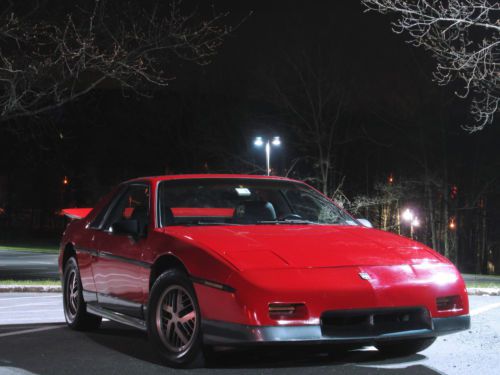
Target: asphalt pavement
49, 347
23, 265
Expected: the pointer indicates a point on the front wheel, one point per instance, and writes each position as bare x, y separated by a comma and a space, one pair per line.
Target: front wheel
404, 347
75, 310
174, 320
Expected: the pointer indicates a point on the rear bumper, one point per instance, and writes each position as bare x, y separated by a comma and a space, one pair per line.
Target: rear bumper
223, 333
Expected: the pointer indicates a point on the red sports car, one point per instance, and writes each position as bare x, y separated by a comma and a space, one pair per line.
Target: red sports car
223, 260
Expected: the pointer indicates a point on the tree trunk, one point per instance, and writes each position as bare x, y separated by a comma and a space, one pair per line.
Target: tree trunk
445, 198
428, 193
483, 258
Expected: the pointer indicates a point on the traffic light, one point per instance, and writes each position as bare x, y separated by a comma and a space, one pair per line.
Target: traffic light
453, 192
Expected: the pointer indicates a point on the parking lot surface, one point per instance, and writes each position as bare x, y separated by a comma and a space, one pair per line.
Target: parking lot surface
33, 340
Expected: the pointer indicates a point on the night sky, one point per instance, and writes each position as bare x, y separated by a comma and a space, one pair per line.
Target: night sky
207, 118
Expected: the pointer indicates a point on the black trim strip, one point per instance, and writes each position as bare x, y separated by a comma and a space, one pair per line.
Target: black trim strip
86, 251
89, 297
105, 254
117, 317
453, 324
213, 284
226, 333
113, 303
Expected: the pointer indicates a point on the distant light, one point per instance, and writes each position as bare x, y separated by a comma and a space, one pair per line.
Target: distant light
407, 215
415, 222
390, 179
258, 142
452, 225
65, 180
276, 141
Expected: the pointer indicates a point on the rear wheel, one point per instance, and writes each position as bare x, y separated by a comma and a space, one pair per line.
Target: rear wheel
406, 347
75, 310
174, 320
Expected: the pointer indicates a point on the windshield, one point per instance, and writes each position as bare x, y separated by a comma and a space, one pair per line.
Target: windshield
244, 202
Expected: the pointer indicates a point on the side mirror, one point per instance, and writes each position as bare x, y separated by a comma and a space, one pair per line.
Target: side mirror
365, 223
129, 227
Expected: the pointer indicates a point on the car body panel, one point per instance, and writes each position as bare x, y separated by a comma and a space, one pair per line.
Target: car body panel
119, 270
305, 246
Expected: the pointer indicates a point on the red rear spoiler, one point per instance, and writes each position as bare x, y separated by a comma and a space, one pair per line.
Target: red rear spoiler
75, 213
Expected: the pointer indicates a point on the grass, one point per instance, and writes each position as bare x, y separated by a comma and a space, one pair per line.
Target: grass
30, 248
30, 282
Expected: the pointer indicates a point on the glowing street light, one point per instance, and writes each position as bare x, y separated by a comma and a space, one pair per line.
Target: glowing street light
276, 141
259, 142
415, 222
407, 215
411, 219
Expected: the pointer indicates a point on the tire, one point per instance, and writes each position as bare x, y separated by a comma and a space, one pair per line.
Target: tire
176, 331
75, 310
404, 348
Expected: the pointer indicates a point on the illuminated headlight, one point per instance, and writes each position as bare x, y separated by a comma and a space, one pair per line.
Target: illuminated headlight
443, 278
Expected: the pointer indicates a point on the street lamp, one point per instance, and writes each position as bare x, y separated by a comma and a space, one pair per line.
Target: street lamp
259, 142
410, 218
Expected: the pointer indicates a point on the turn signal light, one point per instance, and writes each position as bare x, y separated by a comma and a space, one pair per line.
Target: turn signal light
449, 303
287, 311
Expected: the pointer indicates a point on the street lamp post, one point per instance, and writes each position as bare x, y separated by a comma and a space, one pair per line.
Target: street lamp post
259, 142
410, 218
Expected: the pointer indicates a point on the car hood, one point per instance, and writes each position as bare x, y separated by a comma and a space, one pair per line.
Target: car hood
304, 246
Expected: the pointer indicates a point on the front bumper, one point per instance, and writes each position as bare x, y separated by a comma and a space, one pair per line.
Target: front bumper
223, 333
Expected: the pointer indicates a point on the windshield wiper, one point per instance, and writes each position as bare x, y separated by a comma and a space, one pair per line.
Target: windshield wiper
287, 221
198, 222
297, 221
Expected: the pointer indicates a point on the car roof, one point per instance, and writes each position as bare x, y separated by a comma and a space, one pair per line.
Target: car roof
208, 176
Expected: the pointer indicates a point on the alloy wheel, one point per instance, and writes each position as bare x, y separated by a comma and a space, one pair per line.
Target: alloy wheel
72, 294
176, 320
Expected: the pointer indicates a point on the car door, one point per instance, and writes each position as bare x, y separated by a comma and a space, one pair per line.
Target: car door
87, 250
121, 276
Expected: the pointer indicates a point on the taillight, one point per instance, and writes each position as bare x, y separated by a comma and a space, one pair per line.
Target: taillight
449, 303
284, 311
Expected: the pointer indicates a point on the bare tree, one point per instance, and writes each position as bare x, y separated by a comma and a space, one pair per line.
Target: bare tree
464, 37
45, 64
308, 88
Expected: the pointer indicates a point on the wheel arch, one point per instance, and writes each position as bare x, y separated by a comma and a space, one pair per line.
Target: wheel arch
68, 252
164, 263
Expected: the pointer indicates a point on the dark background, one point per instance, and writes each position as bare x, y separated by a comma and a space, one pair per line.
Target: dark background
395, 118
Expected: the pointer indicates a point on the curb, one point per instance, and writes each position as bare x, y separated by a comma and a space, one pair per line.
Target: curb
483, 291
30, 289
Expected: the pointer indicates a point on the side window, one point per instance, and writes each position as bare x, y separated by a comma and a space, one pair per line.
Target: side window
98, 220
133, 204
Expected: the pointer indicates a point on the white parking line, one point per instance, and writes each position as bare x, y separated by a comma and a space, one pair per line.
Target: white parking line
11, 298
30, 331
30, 312
483, 309
47, 303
